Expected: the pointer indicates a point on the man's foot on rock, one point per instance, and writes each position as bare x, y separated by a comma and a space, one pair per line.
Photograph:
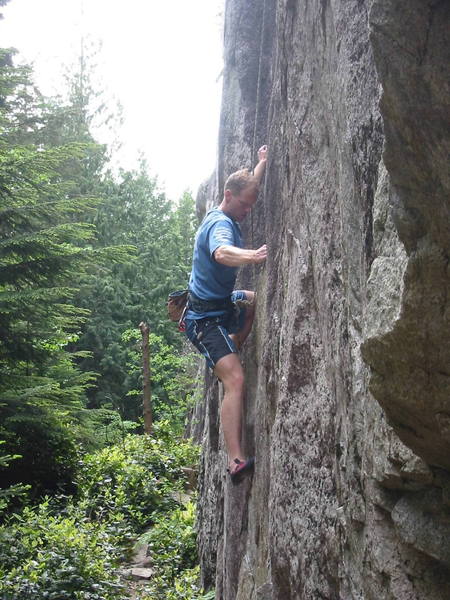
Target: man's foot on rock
240, 469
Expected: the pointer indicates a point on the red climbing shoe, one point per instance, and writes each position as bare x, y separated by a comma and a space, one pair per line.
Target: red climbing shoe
242, 468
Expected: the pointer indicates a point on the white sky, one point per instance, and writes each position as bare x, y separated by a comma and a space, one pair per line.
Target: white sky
162, 59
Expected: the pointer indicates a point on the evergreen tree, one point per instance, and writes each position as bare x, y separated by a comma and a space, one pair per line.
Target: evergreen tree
45, 248
69, 284
121, 297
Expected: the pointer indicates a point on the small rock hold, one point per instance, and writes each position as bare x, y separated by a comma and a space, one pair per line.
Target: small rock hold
417, 470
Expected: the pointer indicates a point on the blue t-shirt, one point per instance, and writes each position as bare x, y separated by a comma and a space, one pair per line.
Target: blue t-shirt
211, 280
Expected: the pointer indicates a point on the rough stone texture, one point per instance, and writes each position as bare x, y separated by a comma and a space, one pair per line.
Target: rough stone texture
411, 363
347, 401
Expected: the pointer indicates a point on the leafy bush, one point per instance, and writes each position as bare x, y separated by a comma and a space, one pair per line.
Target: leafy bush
172, 544
100, 427
173, 377
57, 557
69, 549
135, 478
172, 541
185, 587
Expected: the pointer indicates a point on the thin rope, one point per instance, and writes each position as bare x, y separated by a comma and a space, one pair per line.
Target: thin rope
258, 81
258, 86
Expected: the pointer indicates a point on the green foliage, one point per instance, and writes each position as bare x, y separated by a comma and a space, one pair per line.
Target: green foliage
49, 189
172, 377
43, 244
39, 253
172, 544
185, 586
8, 493
135, 212
97, 428
84, 257
54, 556
71, 550
172, 541
47, 448
134, 478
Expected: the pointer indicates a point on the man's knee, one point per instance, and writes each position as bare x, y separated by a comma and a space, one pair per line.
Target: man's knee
236, 379
229, 370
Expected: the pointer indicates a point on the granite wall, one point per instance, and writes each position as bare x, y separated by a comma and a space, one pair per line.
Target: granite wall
347, 404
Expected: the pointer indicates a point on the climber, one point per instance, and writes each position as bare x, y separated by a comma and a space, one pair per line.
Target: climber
218, 319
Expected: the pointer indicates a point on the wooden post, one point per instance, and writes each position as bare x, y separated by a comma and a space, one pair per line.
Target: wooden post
147, 392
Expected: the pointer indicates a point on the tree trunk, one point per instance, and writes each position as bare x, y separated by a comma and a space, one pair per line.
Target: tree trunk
147, 393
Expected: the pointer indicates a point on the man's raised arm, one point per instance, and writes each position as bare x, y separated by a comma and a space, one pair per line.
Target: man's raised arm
261, 166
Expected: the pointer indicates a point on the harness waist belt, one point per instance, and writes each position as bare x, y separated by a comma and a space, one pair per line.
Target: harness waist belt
199, 305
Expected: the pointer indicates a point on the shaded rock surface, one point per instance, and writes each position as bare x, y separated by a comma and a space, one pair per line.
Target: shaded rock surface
348, 367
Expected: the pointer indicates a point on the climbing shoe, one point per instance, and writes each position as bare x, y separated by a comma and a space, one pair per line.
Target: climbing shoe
242, 468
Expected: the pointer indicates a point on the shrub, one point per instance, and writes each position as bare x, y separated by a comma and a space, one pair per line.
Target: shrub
172, 543
68, 549
135, 478
100, 427
173, 377
57, 557
185, 587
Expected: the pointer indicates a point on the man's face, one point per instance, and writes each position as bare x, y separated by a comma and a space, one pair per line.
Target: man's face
238, 206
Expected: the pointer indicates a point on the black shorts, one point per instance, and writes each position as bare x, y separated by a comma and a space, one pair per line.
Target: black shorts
211, 336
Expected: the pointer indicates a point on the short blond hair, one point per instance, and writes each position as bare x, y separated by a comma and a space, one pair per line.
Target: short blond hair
239, 181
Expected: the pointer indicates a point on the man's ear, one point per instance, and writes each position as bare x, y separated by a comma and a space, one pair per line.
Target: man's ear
227, 195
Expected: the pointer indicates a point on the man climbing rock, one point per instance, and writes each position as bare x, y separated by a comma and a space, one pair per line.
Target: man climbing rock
219, 318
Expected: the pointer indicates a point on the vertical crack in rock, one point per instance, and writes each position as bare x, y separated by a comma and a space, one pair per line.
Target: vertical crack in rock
347, 406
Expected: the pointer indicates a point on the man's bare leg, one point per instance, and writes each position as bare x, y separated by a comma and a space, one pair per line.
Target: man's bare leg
240, 337
229, 370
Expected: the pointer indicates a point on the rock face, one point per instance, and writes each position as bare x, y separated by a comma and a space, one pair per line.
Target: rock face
348, 367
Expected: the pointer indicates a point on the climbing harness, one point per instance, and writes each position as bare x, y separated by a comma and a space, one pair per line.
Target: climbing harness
203, 306
232, 307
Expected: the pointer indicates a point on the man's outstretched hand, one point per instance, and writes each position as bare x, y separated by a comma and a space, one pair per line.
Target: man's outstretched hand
260, 255
262, 153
